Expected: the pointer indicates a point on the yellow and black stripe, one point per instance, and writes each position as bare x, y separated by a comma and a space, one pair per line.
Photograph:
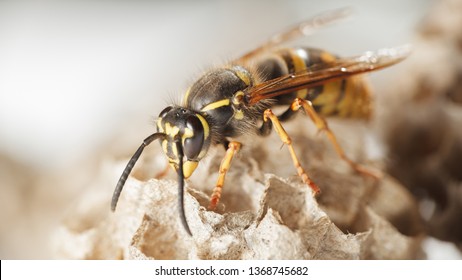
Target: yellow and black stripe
345, 98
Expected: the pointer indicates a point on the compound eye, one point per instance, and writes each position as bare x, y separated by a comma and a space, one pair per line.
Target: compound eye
193, 145
165, 111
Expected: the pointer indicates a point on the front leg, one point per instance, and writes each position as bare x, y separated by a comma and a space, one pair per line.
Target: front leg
233, 148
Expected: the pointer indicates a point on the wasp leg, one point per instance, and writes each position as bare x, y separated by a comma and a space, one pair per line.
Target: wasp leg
269, 115
321, 124
266, 127
233, 148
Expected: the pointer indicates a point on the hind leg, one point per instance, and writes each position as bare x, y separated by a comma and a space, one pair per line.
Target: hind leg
321, 124
269, 117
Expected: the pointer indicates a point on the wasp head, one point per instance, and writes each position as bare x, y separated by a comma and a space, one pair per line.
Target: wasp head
191, 130
183, 133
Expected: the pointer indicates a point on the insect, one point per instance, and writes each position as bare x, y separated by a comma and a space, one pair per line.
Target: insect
233, 100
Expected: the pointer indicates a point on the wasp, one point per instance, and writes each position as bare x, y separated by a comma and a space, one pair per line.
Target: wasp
238, 99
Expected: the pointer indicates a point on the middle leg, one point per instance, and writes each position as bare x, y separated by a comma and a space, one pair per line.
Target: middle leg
268, 115
233, 148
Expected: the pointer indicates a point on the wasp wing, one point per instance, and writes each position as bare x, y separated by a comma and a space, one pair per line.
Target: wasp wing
304, 28
322, 73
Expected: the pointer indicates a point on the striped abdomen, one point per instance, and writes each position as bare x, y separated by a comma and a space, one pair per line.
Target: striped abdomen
344, 98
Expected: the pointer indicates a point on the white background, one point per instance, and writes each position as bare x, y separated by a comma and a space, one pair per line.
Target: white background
76, 76
82, 79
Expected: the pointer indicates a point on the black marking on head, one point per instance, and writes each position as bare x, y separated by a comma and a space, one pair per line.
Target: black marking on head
185, 124
193, 143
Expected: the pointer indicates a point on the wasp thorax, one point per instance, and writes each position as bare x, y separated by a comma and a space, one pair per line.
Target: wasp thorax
191, 130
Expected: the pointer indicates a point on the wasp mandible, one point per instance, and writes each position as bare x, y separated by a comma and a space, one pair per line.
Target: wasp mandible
232, 100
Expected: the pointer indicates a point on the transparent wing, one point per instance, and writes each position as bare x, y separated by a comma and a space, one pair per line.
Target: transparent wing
304, 28
325, 72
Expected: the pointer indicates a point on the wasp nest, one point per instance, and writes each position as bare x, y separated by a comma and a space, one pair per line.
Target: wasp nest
424, 119
261, 216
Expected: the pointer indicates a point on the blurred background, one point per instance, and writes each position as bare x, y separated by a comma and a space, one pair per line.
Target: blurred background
81, 82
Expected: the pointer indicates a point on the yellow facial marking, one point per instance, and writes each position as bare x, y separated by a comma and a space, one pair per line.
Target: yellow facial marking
244, 76
164, 146
188, 133
205, 125
189, 167
216, 104
175, 131
175, 162
170, 130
